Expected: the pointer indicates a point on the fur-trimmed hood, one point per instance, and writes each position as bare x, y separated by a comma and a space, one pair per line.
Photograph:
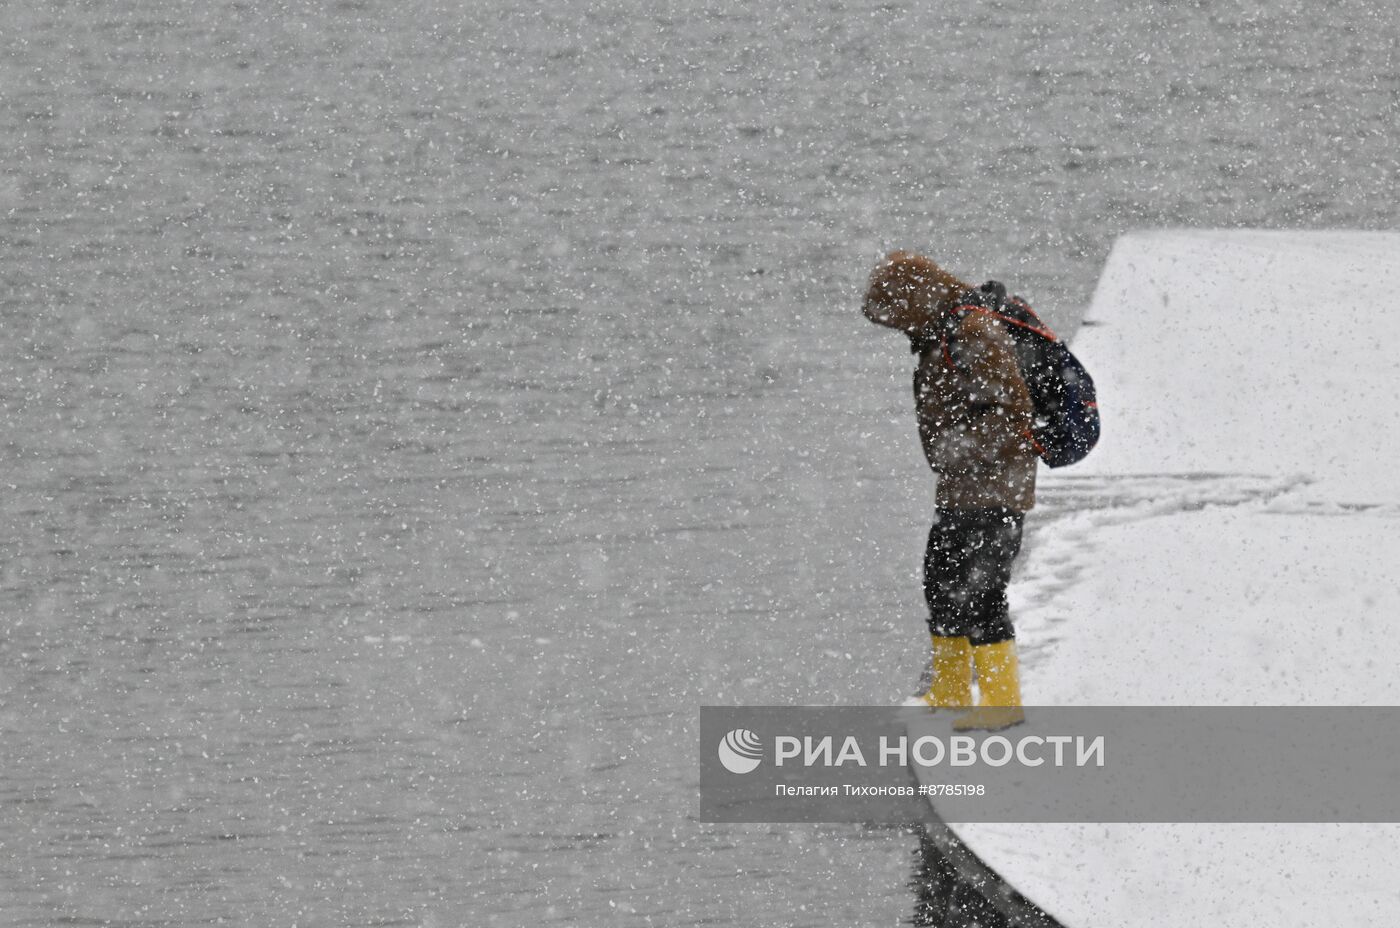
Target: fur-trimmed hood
911, 293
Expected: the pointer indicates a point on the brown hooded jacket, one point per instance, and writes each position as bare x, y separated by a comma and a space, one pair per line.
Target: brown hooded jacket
973, 407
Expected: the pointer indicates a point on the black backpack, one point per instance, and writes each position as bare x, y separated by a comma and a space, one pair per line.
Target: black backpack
1066, 425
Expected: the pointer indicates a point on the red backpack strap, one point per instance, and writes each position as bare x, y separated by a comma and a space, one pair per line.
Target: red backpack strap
1037, 326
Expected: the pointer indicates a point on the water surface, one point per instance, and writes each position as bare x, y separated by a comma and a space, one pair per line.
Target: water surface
413, 413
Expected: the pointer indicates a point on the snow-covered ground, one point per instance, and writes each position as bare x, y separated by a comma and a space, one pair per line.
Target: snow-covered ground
1231, 542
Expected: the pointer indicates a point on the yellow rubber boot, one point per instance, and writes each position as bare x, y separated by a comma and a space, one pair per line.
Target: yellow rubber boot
952, 674
999, 679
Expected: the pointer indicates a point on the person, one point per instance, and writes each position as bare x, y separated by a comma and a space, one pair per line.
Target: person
974, 416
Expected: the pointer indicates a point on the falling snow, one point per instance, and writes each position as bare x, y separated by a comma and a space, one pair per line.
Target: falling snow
414, 412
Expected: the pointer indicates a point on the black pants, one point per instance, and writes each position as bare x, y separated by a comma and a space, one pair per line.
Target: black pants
967, 566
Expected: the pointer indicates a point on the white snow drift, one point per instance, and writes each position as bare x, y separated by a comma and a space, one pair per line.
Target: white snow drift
1233, 541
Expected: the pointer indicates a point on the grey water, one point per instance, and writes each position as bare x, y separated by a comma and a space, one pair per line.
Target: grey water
411, 413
